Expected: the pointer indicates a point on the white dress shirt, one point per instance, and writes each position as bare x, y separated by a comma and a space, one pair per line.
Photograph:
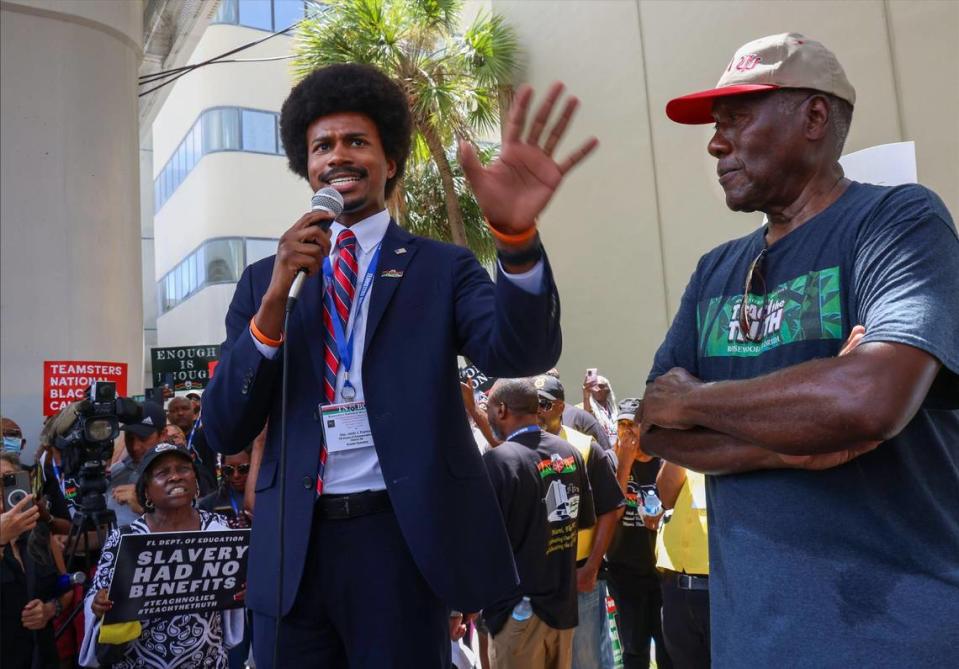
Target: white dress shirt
358, 469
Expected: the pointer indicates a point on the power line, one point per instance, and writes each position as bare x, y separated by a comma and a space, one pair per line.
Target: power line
172, 75
217, 62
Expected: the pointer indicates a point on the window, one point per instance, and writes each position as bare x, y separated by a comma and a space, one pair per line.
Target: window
226, 12
259, 131
200, 256
256, 14
197, 142
258, 249
218, 129
190, 264
286, 13
189, 150
214, 261
224, 260
184, 280
274, 15
180, 164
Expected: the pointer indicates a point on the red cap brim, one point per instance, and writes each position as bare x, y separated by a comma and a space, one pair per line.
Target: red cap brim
698, 107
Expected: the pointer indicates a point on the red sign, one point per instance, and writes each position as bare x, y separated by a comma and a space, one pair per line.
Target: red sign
210, 366
66, 381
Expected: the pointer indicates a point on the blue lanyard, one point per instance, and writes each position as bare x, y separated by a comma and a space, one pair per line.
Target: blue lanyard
58, 476
236, 510
189, 441
523, 430
344, 346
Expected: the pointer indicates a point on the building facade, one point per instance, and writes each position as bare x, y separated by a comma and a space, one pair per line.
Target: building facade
222, 193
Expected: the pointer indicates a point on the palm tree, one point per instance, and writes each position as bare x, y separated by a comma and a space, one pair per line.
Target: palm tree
423, 203
454, 82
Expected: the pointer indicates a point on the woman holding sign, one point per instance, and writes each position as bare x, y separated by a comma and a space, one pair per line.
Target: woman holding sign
167, 487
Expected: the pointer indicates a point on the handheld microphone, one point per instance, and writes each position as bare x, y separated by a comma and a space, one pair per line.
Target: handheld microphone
326, 199
65, 582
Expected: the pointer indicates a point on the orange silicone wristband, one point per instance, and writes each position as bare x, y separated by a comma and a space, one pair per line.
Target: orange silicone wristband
520, 238
262, 338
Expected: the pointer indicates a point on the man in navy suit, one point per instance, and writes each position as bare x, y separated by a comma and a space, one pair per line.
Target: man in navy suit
381, 467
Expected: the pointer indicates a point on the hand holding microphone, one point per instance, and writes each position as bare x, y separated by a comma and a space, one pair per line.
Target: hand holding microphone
326, 201
300, 253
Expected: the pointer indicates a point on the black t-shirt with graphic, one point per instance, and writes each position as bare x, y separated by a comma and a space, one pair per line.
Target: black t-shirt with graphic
633, 546
601, 472
857, 565
545, 498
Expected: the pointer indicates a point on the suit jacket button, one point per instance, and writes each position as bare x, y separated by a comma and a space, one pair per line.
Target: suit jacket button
307, 482
245, 389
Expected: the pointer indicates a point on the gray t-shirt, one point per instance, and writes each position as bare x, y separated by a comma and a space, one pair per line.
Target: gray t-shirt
122, 473
857, 566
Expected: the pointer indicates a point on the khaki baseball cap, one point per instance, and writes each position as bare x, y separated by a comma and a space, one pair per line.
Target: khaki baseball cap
788, 60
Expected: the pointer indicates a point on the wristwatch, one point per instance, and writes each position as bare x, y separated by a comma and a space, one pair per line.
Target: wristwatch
57, 607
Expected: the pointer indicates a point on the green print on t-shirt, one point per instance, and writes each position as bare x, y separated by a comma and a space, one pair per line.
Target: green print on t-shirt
807, 307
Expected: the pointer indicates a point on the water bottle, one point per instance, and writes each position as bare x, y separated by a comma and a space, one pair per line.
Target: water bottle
523, 610
651, 504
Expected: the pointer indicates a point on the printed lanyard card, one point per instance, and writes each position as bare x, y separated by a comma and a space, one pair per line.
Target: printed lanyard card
346, 426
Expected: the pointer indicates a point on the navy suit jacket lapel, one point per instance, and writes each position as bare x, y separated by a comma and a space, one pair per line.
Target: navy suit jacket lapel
390, 272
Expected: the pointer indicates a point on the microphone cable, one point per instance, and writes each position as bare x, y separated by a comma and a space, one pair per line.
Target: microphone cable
326, 199
284, 384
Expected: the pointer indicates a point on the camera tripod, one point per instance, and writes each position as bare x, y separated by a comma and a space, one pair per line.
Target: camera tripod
92, 519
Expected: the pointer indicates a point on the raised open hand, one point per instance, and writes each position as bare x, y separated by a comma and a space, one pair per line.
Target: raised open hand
517, 186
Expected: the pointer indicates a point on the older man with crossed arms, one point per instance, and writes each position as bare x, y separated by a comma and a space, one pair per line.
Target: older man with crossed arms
833, 487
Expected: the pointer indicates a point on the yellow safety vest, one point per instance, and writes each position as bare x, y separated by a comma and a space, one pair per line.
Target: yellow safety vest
683, 542
581, 442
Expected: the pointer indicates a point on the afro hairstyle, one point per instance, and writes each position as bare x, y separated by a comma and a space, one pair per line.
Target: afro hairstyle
348, 87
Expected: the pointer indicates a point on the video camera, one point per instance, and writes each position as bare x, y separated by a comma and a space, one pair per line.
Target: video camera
86, 443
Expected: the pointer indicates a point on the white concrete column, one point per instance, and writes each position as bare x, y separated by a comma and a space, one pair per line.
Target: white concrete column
69, 214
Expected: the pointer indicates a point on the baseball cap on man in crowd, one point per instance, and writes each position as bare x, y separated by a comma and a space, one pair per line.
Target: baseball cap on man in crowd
549, 388
629, 408
152, 421
787, 60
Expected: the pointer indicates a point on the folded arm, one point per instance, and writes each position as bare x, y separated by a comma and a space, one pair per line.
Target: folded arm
711, 452
820, 406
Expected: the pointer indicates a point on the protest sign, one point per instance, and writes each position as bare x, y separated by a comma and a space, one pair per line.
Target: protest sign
183, 367
165, 574
480, 381
66, 381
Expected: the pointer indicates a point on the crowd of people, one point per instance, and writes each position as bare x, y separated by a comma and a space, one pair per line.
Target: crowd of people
590, 550
55, 584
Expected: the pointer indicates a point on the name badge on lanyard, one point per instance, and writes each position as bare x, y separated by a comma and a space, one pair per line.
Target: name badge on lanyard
344, 345
346, 426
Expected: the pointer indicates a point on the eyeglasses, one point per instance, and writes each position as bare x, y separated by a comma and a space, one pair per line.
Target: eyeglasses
229, 469
745, 326
545, 404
